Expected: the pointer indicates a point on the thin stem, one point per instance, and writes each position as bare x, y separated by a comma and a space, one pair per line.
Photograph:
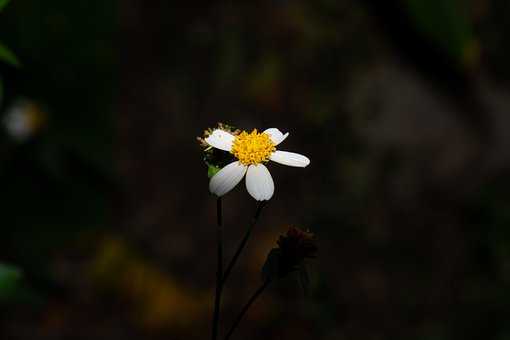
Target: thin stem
246, 307
219, 270
243, 242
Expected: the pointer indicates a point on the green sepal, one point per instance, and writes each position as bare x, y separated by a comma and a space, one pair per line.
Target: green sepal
212, 170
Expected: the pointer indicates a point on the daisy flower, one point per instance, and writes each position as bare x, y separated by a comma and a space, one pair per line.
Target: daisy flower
252, 150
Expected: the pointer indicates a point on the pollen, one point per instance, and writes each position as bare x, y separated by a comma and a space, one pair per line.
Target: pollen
253, 147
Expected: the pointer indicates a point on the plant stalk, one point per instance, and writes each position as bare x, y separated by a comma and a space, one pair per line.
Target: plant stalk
241, 246
247, 306
219, 270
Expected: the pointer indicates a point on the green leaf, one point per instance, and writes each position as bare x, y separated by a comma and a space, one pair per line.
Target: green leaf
4, 3
6, 55
10, 278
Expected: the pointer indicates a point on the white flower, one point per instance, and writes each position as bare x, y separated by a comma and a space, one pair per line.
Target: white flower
252, 150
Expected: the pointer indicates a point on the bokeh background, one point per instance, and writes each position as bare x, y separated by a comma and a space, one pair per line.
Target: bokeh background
402, 105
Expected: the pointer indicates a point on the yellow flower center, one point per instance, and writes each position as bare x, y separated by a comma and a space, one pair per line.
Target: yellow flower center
253, 147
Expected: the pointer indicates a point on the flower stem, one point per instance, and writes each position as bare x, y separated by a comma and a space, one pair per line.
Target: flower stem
243, 242
246, 307
219, 270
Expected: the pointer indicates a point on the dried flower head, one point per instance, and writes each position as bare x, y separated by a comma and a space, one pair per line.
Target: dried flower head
293, 249
298, 245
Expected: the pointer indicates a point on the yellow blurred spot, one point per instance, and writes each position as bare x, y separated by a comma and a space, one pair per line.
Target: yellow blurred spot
159, 300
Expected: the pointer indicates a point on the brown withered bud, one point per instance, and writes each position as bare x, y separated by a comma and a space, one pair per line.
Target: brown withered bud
298, 244
293, 249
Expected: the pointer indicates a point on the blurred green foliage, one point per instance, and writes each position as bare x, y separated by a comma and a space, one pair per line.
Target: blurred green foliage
10, 278
6, 55
4, 3
57, 183
446, 23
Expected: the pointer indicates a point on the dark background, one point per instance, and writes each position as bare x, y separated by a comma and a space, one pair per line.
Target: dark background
402, 106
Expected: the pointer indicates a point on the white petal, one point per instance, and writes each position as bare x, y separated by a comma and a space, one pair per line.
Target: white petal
289, 158
227, 178
276, 135
220, 140
259, 182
